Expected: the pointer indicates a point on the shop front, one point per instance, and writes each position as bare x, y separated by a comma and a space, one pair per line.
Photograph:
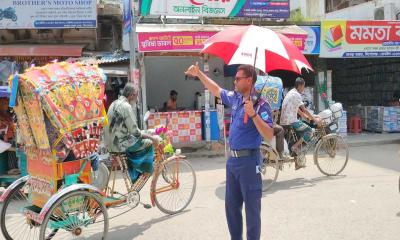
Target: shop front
167, 51
363, 57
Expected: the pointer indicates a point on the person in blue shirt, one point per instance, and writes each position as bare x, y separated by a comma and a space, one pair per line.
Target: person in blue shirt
243, 177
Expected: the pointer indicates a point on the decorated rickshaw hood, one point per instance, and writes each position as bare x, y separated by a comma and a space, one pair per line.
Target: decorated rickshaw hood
70, 93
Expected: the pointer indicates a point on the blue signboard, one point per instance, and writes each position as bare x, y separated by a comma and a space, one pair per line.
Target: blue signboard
312, 43
32, 14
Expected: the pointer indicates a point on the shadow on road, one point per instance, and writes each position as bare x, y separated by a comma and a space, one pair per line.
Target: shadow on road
299, 183
398, 214
220, 191
134, 230
284, 185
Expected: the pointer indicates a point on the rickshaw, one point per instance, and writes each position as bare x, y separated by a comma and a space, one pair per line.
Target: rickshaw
330, 150
60, 115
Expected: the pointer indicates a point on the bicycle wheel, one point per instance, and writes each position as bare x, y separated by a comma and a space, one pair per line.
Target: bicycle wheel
331, 155
175, 186
14, 224
270, 166
76, 215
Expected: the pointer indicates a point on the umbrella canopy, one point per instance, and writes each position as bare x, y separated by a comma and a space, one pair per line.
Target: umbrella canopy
239, 44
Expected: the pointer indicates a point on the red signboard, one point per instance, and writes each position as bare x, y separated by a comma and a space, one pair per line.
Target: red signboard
372, 32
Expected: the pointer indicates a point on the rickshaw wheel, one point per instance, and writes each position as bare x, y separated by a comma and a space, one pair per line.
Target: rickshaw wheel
78, 215
14, 224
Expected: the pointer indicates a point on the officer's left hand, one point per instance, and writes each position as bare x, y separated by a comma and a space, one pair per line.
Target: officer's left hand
249, 108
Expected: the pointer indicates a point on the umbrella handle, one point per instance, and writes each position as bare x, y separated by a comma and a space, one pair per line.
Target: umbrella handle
246, 116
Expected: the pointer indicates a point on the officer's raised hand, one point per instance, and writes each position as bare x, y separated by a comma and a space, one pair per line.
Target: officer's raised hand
193, 70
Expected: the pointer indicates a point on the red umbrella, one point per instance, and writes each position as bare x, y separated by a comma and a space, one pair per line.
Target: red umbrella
240, 44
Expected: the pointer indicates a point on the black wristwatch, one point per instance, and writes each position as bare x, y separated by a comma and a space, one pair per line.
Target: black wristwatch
255, 114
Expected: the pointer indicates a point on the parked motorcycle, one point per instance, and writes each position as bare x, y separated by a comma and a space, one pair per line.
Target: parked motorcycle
8, 13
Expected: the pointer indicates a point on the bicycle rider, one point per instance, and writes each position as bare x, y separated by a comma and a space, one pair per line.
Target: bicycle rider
291, 106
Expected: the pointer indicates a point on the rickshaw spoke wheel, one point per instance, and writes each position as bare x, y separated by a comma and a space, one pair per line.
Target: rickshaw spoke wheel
269, 168
14, 223
76, 215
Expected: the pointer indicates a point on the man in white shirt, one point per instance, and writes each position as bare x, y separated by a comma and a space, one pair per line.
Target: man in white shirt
293, 105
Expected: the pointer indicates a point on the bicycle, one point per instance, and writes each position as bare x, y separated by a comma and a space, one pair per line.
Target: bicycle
330, 152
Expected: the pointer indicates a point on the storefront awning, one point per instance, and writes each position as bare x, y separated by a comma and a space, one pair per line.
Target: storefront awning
15, 50
119, 70
149, 28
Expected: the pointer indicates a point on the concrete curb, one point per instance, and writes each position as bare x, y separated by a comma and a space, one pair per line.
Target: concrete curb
370, 143
204, 153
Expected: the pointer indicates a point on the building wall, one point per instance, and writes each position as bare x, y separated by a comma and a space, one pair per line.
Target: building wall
315, 9
365, 11
164, 73
310, 9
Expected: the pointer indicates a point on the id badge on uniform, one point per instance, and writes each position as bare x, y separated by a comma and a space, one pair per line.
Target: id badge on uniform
258, 169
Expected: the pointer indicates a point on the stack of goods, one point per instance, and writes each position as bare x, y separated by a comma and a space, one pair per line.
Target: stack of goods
363, 113
342, 125
384, 119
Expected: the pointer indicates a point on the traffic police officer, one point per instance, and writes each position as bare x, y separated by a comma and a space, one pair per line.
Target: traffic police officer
243, 177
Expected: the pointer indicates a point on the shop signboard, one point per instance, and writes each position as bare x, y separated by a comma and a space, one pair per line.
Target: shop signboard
217, 8
360, 39
172, 41
189, 41
35, 14
312, 42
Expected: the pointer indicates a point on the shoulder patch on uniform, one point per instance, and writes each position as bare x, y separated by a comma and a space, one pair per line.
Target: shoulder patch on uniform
264, 116
230, 93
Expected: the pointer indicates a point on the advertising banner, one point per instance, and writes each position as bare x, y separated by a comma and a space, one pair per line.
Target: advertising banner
360, 39
312, 42
34, 14
217, 8
172, 41
189, 41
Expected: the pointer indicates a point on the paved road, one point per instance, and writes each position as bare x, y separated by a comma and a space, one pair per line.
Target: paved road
363, 203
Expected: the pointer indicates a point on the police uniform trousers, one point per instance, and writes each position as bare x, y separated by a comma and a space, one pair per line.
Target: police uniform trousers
243, 185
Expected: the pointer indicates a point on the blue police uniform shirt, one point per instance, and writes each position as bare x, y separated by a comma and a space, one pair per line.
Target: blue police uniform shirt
241, 135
